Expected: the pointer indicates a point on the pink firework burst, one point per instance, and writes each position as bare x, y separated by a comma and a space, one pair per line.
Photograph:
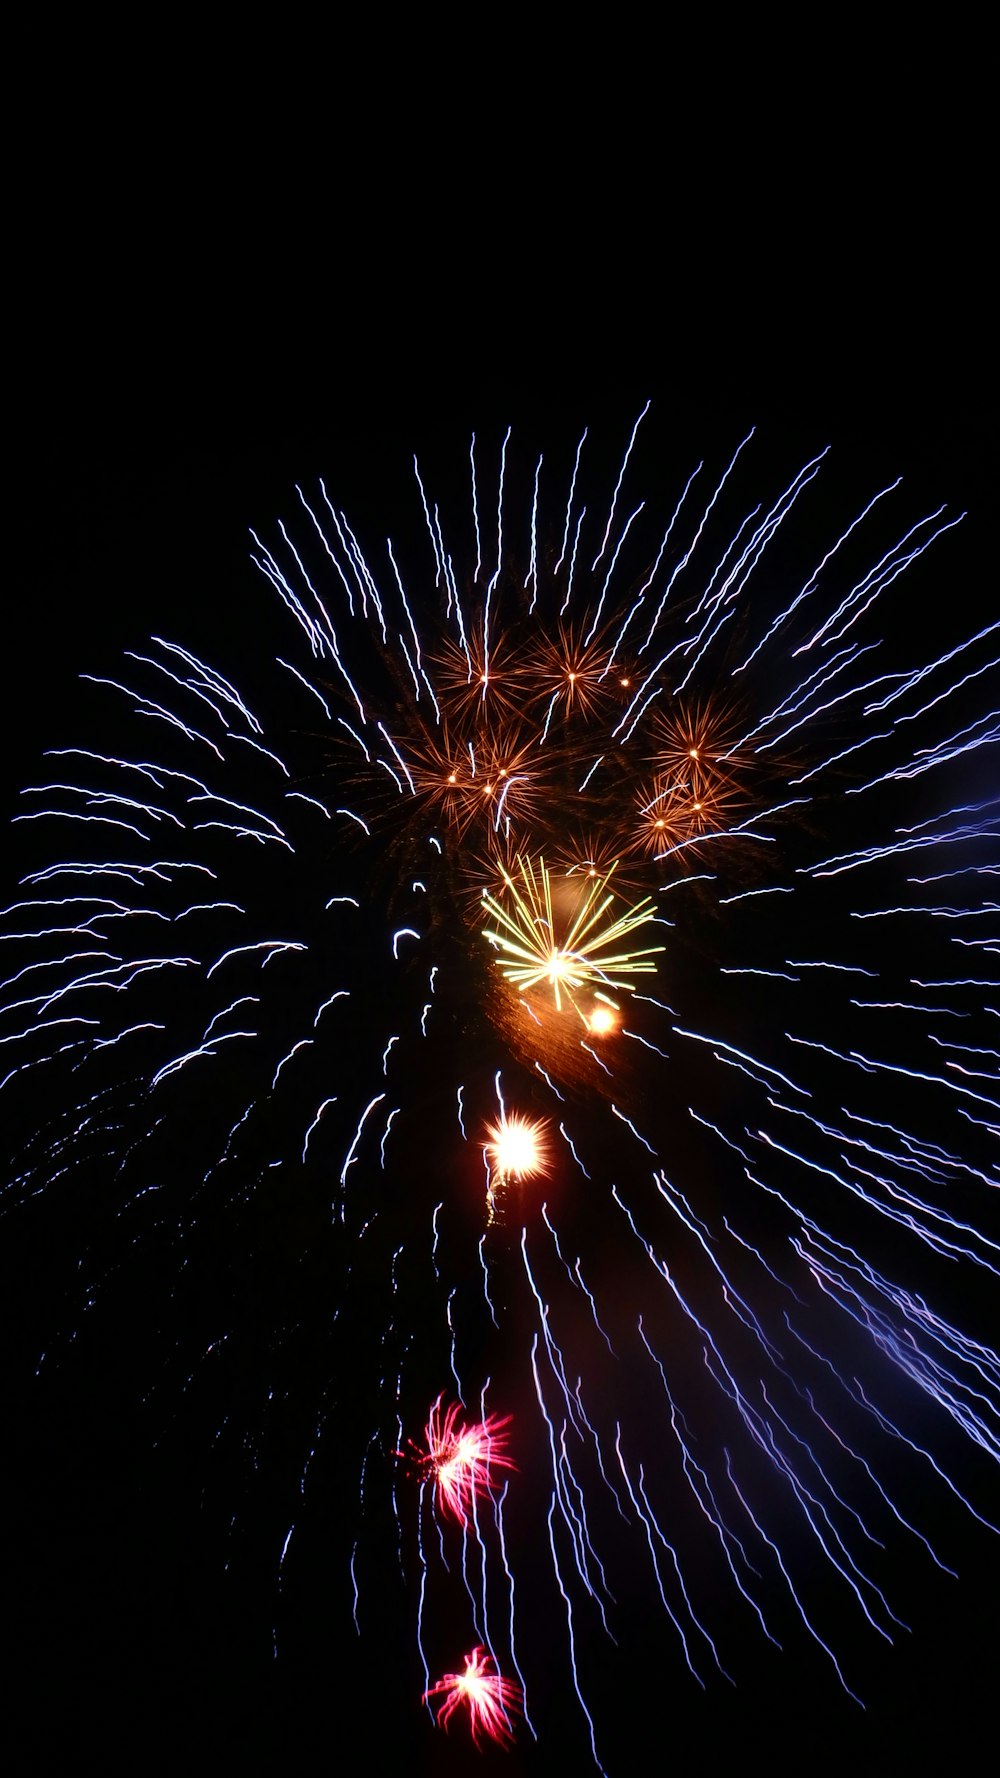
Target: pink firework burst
462, 1458
488, 1697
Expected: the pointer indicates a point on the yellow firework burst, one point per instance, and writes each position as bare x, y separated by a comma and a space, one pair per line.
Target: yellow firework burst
564, 933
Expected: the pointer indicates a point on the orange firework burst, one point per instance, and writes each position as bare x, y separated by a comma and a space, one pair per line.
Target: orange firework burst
683, 805
477, 679
572, 676
696, 747
490, 778
483, 1691
661, 817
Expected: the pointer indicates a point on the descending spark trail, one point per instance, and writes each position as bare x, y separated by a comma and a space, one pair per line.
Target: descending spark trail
295, 990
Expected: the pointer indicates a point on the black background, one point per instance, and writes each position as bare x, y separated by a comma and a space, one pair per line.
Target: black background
168, 402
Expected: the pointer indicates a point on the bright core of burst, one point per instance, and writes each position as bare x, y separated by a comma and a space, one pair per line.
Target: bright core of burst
516, 1149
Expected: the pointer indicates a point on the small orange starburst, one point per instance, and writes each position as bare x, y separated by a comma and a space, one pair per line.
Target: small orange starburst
481, 679
695, 748
571, 675
489, 778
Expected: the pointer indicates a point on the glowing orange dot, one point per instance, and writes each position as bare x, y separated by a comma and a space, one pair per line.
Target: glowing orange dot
602, 1020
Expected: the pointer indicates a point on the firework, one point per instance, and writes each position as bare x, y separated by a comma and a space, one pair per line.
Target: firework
289, 969
582, 949
516, 1149
483, 1692
463, 1459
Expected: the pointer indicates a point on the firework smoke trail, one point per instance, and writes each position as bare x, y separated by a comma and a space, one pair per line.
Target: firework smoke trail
255, 978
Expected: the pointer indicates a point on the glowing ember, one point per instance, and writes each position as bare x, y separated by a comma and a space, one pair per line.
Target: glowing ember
602, 1021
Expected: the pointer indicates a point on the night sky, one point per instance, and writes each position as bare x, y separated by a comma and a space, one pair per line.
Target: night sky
141, 1574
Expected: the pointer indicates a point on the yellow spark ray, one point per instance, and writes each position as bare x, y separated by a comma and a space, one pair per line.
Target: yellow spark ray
565, 934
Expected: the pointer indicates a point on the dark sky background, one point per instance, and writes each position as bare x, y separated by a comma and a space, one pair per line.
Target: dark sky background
144, 452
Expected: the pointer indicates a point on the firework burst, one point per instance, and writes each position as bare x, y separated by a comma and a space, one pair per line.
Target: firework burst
463, 1459
567, 935
252, 987
483, 1692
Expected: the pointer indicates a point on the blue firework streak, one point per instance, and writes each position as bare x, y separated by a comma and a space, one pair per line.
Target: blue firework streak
255, 978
